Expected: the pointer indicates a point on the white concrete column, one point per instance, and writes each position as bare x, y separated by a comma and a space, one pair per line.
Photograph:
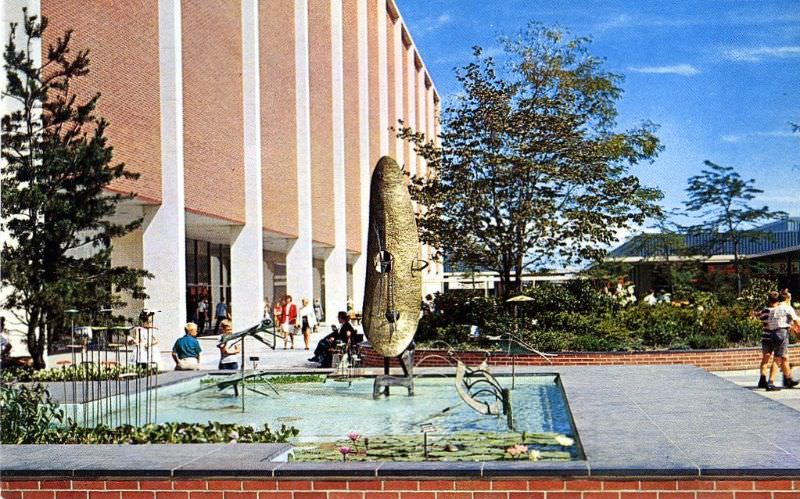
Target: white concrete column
383, 76
336, 262
299, 259
360, 265
411, 104
164, 239
399, 47
247, 249
421, 116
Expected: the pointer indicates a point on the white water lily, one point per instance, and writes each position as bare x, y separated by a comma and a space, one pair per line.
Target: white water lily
564, 441
534, 455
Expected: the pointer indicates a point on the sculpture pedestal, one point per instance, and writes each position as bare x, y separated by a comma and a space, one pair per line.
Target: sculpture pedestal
384, 381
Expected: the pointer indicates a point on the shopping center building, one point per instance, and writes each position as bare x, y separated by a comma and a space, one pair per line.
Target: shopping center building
254, 126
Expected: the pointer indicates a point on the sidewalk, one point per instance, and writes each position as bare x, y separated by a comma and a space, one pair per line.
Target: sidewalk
268, 358
749, 379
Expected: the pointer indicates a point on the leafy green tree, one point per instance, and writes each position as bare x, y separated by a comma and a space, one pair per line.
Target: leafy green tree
55, 206
721, 199
531, 170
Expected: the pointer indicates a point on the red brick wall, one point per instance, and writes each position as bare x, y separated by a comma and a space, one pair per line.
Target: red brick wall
320, 81
278, 116
212, 108
544, 488
712, 360
123, 41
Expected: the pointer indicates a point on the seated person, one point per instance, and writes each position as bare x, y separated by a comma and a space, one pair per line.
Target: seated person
228, 359
186, 351
327, 345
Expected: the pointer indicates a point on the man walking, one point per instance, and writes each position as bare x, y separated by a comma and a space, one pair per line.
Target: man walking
221, 313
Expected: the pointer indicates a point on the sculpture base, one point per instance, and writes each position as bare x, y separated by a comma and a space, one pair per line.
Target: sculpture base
384, 381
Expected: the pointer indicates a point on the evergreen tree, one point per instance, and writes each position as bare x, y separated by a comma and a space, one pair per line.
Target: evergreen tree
55, 205
531, 171
721, 199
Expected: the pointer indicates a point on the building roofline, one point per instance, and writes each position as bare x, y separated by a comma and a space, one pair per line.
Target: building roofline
391, 8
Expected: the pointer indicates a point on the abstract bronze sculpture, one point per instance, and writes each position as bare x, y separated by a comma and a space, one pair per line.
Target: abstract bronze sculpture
393, 290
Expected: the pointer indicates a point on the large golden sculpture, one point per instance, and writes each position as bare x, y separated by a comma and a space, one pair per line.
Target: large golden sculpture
393, 289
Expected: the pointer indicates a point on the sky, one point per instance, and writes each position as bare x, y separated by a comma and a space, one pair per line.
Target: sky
720, 77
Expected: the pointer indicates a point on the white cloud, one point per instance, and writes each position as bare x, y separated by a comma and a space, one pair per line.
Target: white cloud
612, 23
756, 54
676, 69
740, 137
431, 24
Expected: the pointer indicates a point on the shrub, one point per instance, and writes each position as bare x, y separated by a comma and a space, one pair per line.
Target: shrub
30, 416
578, 317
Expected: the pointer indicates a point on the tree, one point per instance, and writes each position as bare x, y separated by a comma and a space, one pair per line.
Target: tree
530, 170
721, 199
54, 198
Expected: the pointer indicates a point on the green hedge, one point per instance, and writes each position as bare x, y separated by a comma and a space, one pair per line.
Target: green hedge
576, 317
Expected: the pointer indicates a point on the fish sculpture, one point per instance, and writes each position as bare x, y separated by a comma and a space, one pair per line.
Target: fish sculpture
393, 289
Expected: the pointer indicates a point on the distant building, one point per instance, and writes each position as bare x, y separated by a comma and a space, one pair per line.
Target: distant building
778, 252
487, 281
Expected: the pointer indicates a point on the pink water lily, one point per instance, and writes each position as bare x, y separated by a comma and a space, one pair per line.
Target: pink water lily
345, 451
517, 450
354, 436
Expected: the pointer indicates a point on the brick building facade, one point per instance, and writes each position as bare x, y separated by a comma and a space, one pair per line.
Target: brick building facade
254, 126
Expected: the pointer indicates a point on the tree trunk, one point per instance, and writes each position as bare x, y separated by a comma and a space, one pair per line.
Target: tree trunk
36, 336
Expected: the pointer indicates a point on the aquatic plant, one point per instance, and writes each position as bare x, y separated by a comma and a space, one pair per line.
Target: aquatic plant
91, 372
284, 379
564, 441
344, 451
516, 451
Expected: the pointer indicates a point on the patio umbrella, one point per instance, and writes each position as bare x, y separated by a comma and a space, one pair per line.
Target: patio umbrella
515, 300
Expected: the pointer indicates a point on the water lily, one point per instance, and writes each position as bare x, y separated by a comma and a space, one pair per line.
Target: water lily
564, 440
353, 436
345, 451
517, 450
534, 455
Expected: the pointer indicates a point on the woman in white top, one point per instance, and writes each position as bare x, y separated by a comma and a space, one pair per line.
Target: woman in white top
308, 320
146, 352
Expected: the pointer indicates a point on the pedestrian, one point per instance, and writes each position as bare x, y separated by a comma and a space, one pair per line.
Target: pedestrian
228, 350
277, 313
766, 345
780, 320
186, 351
266, 310
308, 320
319, 314
289, 324
221, 313
351, 311
146, 352
201, 313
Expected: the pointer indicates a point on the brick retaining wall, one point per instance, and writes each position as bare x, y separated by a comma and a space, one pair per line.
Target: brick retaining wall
729, 359
540, 488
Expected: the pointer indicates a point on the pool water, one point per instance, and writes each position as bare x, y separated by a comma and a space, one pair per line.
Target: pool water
327, 411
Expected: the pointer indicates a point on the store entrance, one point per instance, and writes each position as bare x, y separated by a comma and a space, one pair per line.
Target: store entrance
208, 281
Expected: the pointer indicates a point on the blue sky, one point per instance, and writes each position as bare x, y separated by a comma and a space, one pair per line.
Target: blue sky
721, 77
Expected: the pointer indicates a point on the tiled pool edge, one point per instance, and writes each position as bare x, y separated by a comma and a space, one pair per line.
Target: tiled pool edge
207, 461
